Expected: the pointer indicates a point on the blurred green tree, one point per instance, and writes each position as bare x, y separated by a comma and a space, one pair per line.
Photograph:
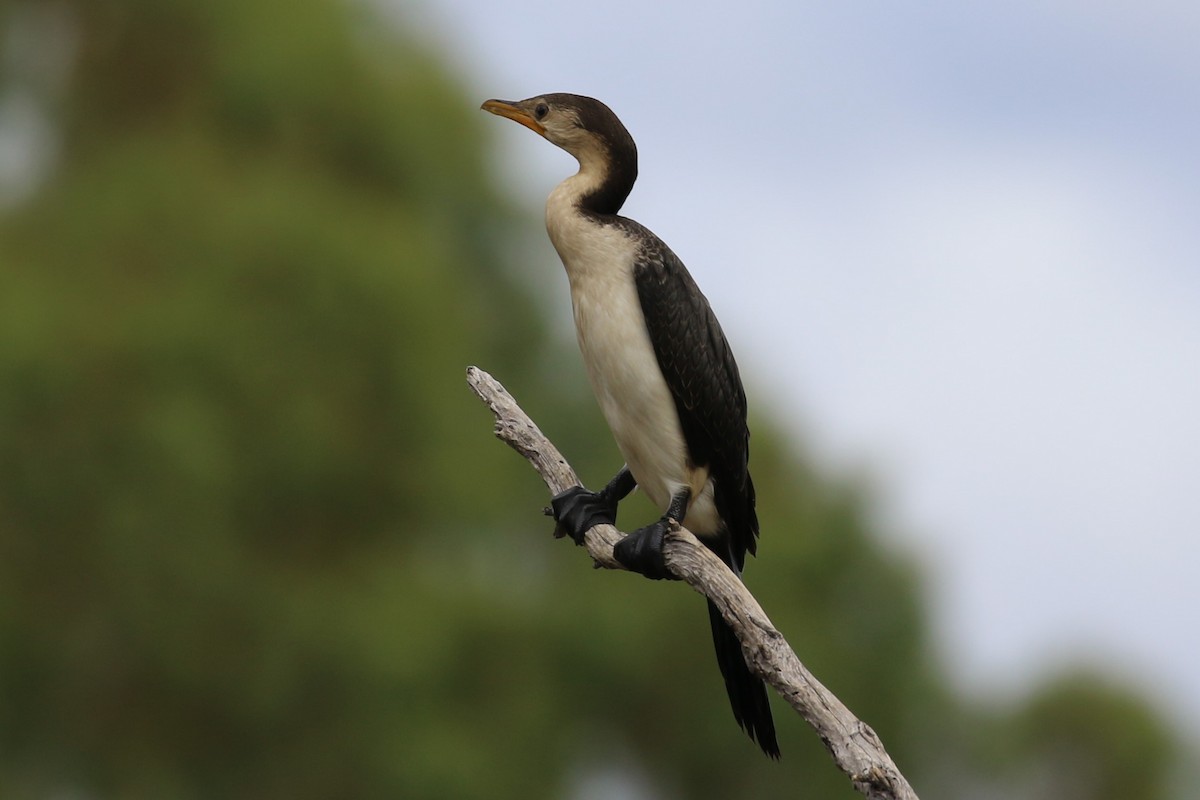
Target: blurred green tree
255, 539
1080, 735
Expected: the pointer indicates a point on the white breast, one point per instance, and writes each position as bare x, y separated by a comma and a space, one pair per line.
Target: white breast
620, 361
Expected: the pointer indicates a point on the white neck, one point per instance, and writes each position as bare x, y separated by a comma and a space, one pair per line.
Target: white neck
565, 221
587, 246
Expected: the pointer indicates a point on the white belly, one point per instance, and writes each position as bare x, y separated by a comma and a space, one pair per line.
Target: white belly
635, 400
624, 373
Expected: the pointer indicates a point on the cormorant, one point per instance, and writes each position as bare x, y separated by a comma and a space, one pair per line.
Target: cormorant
661, 370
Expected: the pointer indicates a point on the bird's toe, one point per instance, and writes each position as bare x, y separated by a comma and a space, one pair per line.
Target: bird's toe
577, 510
641, 551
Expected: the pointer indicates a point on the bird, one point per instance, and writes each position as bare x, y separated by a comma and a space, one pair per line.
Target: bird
661, 369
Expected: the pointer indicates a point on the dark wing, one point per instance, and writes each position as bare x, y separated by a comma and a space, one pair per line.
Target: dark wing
703, 378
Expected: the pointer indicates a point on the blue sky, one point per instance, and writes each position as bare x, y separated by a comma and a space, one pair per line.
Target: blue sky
957, 251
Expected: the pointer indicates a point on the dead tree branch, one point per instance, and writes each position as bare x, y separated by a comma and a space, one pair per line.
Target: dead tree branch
855, 748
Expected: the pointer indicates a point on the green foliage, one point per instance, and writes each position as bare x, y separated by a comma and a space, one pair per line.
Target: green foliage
255, 537
1082, 736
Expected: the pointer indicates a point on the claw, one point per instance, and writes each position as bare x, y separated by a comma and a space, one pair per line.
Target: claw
577, 510
642, 551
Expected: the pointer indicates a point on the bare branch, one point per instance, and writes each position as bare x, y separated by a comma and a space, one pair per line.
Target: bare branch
855, 748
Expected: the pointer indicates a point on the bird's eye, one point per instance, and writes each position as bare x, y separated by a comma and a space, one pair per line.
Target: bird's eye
541, 111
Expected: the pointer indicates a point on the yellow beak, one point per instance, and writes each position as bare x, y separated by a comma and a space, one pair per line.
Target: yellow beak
503, 108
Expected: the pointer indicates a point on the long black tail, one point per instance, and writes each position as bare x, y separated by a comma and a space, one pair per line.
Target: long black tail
747, 692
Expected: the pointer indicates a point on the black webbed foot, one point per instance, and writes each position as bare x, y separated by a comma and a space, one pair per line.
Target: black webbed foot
642, 551
576, 510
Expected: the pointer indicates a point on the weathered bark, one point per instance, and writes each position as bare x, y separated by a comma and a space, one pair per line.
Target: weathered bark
855, 748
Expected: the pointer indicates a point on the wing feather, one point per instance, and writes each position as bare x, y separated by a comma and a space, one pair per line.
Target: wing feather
699, 368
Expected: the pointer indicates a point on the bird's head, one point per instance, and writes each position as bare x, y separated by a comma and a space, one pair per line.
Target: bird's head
583, 126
